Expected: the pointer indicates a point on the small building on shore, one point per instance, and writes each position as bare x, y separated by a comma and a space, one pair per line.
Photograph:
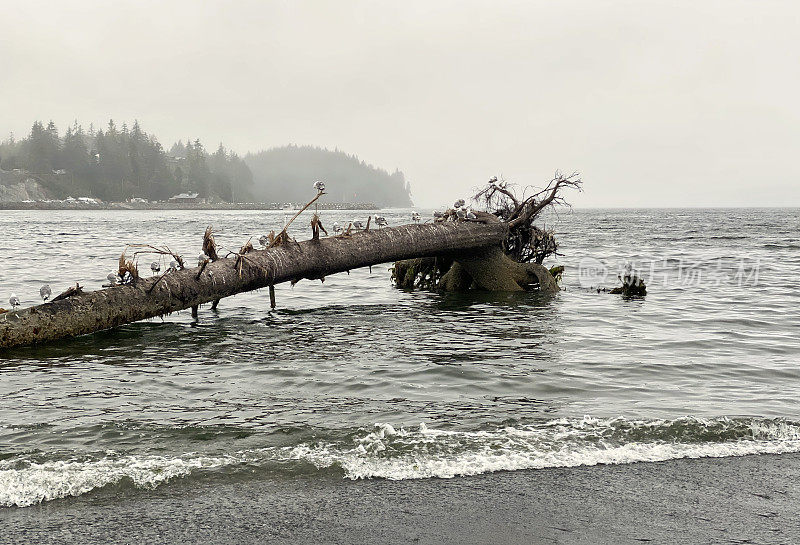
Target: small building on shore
185, 197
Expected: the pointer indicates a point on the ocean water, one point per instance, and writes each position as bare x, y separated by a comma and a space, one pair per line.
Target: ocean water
353, 379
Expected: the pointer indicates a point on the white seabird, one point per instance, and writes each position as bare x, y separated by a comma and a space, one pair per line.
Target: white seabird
44, 292
202, 258
263, 240
155, 267
380, 221
459, 203
357, 225
319, 185
173, 265
13, 301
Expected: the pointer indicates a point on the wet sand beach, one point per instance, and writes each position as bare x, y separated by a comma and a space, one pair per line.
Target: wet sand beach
750, 499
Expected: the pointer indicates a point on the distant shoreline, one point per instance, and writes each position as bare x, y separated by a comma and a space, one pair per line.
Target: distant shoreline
78, 205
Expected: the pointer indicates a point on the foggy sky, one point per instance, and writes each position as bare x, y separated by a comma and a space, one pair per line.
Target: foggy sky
655, 103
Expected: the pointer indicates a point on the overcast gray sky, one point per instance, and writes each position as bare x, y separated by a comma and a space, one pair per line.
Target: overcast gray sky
656, 103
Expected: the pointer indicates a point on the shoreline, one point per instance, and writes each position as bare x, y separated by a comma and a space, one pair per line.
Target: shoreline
60, 205
749, 499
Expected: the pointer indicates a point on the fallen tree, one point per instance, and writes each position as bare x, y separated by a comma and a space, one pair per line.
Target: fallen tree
87, 312
466, 251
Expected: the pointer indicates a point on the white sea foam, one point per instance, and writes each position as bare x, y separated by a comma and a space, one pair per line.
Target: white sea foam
420, 452
38, 482
425, 453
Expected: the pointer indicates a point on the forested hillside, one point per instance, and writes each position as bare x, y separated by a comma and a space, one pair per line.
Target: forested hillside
290, 171
119, 163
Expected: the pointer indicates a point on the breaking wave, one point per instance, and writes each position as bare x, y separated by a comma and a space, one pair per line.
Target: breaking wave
420, 452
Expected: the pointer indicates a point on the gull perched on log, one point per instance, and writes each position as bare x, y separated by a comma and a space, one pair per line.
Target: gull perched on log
336, 228
357, 224
155, 267
173, 266
44, 292
415, 217
380, 221
112, 278
13, 301
202, 258
263, 240
319, 185
459, 203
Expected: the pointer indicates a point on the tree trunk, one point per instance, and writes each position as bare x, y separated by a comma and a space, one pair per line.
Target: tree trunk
312, 259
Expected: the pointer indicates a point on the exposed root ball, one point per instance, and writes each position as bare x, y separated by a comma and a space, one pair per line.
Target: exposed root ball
515, 265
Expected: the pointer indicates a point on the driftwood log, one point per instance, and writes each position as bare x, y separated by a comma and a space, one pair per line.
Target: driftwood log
474, 245
463, 249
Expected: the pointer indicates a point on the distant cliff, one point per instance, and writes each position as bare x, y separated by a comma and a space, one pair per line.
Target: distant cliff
19, 186
287, 174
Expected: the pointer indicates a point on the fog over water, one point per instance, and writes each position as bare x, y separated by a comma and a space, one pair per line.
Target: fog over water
656, 103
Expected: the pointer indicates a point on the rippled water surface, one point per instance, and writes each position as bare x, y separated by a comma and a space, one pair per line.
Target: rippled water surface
355, 378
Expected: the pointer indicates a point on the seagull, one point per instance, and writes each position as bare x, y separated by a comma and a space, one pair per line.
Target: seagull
380, 221
471, 215
45, 292
155, 267
112, 278
14, 301
438, 214
459, 203
173, 265
336, 227
202, 258
461, 213
357, 225
128, 278
493, 180
319, 185
415, 217
263, 240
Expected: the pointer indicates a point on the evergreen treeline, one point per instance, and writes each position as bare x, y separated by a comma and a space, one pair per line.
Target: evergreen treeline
120, 163
291, 170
